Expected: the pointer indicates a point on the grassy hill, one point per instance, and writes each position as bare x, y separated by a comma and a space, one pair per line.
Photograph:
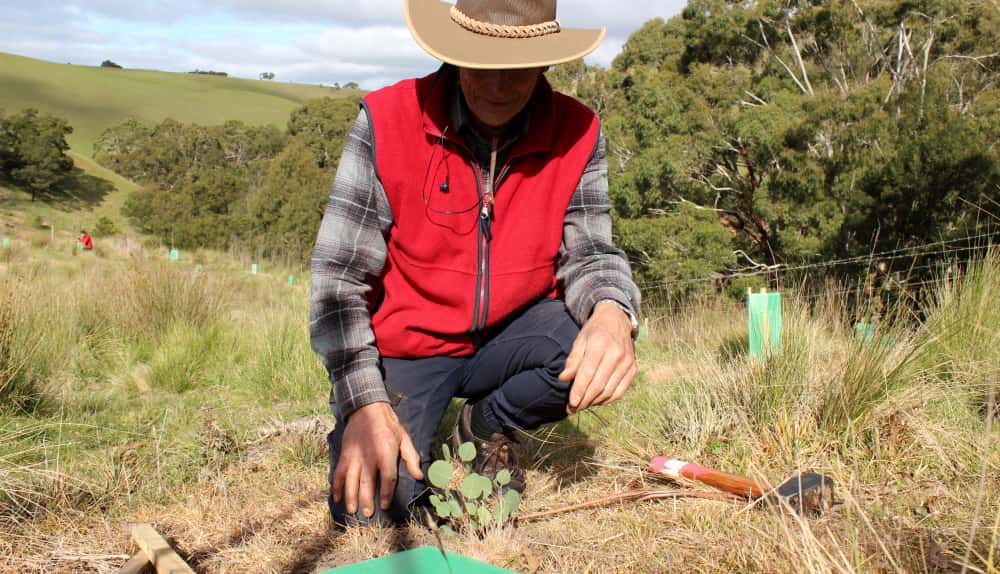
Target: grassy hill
94, 98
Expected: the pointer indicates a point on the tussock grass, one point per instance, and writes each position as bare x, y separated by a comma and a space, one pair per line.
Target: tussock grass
175, 397
119, 373
153, 296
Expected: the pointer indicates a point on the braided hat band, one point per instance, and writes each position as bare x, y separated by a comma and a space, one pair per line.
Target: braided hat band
503, 30
497, 34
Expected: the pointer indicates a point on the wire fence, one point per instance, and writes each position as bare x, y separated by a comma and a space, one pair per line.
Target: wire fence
928, 265
758, 270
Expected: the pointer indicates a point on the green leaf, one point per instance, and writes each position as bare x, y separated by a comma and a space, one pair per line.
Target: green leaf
503, 477
472, 508
467, 452
472, 487
456, 508
484, 515
443, 510
436, 499
511, 501
486, 485
440, 473
446, 451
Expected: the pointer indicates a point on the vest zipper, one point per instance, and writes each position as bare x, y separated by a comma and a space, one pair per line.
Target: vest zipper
480, 310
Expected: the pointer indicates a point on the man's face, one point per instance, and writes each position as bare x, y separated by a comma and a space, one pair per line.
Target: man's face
496, 96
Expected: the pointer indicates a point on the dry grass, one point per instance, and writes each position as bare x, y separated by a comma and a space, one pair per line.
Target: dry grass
229, 460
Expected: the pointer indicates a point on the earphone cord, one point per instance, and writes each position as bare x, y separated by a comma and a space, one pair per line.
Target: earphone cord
427, 174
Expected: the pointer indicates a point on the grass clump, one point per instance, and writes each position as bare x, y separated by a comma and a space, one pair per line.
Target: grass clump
153, 295
27, 348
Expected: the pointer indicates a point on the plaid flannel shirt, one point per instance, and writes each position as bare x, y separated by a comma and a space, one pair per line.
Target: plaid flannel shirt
350, 253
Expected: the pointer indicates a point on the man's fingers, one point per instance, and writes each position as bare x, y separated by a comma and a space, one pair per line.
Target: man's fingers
611, 370
608, 388
366, 492
583, 382
625, 383
599, 381
339, 478
411, 457
387, 472
352, 478
608, 393
573, 360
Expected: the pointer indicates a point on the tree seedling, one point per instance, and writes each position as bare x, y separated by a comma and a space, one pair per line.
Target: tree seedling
466, 499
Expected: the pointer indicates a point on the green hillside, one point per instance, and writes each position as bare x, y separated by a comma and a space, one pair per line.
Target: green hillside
93, 98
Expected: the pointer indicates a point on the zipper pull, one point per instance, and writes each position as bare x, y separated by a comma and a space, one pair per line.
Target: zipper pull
486, 218
486, 212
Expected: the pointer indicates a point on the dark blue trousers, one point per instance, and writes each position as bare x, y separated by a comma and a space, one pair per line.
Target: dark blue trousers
516, 372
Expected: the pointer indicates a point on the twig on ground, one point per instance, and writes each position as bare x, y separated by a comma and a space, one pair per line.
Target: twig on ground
631, 496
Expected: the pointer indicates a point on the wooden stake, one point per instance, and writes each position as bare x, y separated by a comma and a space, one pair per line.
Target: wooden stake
158, 551
137, 564
766, 330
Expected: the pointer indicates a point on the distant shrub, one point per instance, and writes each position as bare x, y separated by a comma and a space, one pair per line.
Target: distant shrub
110, 64
38, 223
151, 243
209, 73
105, 227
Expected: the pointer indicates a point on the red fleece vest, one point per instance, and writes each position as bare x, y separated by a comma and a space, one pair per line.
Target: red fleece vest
448, 278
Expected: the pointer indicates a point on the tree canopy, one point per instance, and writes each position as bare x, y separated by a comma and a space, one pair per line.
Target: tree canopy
806, 130
258, 188
33, 151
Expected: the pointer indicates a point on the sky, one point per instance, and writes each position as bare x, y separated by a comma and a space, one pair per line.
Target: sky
305, 41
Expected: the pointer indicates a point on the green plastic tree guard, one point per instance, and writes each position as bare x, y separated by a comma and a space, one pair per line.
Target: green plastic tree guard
425, 560
765, 323
6, 242
870, 334
175, 255
253, 269
291, 280
864, 332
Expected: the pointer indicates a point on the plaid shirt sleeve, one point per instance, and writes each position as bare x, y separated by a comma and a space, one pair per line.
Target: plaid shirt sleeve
348, 258
591, 268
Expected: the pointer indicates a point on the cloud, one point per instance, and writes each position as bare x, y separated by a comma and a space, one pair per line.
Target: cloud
311, 41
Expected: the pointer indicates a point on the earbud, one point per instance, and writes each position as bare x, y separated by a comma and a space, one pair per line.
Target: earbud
444, 187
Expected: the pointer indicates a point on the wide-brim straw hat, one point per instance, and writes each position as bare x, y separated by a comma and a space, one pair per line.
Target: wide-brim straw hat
497, 34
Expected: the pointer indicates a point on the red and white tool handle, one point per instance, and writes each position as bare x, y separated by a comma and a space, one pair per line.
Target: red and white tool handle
731, 483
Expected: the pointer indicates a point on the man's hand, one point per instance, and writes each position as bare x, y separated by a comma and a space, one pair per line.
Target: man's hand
373, 442
602, 362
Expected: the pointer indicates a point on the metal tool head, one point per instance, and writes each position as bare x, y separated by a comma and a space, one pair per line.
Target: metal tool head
807, 493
